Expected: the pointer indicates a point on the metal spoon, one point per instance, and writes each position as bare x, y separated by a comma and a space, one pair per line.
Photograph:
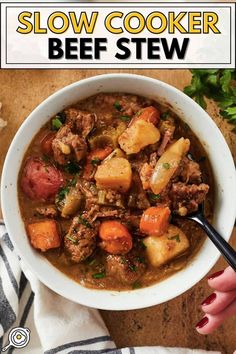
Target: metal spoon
225, 249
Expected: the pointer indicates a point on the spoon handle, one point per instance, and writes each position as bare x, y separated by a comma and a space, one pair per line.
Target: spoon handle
225, 249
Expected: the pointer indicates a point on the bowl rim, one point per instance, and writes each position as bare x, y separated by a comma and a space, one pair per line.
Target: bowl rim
56, 287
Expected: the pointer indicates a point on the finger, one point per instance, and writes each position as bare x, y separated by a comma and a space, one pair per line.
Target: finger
210, 322
218, 301
223, 280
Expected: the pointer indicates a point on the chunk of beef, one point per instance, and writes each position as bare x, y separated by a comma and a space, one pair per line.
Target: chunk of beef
132, 220
167, 129
126, 269
68, 146
80, 240
145, 174
186, 197
137, 198
190, 171
108, 212
49, 211
80, 122
153, 159
109, 197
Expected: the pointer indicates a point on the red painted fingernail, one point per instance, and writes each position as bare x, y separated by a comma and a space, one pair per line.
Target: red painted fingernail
215, 275
209, 299
203, 322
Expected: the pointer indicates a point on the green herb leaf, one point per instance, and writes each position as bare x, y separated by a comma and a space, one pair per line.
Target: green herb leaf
141, 259
72, 239
56, 124
83, 221
132, 267
175, 237
46, 158
166, 165
136, 285
218, 85
117, 106
61, 116
99, 275
164, 115
125, 118
91, 262
73, 168
95, 161
142, 244
62, 193
154, 197
123, 260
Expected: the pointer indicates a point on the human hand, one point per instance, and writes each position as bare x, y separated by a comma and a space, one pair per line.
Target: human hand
221, 304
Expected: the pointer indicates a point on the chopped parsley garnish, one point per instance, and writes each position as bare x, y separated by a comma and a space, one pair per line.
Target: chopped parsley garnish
72, 183
45, 158
141, 259
132, 267
175, 237
56, 124
73, 168
142, 244
83, 221
72, 239
164, 115
125, 118
95, 161
166, 165
123, 260
136, 285
154, 197
65, 190
91, 261
61, 116
62, 193
99, 275
117, 106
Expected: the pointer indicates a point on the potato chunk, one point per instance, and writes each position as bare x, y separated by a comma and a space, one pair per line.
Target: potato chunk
140, 134
114, 174
162, 249
168, 164
44, 235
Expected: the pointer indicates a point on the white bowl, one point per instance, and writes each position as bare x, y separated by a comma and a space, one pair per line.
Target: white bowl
221, 162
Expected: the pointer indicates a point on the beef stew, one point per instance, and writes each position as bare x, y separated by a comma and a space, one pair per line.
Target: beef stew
99, 186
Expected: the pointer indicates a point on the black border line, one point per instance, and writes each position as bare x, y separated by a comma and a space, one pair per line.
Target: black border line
117, 65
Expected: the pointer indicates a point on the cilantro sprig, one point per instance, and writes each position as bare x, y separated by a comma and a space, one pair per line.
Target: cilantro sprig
218, 85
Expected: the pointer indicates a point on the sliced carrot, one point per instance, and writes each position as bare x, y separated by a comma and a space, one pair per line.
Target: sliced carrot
44, 235
46, 143
149, 114
155, 220
93, 158
116, 237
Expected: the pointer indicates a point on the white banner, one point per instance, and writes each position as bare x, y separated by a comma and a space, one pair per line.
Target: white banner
117, 35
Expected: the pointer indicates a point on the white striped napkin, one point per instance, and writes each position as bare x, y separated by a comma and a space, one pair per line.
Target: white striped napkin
57, 325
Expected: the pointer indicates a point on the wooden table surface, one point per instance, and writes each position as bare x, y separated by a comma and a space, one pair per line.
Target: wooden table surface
170, 324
